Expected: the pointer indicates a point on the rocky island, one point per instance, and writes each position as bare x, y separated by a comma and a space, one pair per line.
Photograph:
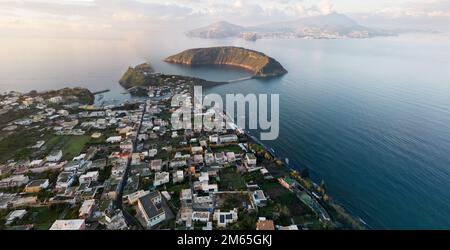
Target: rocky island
137, 76
261, 65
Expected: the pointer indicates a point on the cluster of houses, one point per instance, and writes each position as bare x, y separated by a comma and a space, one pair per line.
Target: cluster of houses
145, 162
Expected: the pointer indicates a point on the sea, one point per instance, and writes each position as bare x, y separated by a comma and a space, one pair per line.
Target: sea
369, 117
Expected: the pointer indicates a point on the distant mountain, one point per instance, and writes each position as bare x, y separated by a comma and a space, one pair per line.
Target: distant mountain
258, 63
217, 30
329, 26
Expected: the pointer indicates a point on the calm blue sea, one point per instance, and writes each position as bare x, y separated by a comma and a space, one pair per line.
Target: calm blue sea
369, 117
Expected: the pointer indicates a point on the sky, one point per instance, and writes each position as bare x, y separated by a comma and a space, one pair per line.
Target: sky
111, 18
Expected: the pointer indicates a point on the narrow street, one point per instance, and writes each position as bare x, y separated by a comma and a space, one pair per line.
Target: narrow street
131, 220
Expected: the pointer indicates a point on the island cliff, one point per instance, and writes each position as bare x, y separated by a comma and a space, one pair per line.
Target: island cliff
258, 63
137, 76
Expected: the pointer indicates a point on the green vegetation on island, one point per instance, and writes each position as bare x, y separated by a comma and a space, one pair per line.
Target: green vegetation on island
258, 63
137, 76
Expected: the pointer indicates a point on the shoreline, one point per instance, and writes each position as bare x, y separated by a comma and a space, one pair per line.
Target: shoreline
291, 169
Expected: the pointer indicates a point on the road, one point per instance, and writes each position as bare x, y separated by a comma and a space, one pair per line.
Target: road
131, 220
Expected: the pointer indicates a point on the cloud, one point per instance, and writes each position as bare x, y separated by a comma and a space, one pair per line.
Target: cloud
116, 16
325, 7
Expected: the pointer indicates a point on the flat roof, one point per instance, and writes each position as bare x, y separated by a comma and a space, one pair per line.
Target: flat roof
150, 208
67, 225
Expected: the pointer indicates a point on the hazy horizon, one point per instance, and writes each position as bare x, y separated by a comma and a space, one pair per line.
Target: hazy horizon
118, 19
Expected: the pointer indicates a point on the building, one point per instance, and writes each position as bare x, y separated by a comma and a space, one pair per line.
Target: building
161, 178
186, 196
126, 145
200, 216
221, 158
185, 216
14, 181
15, 215
196, 150
137, 158
156, 165
55, 99
250, 159
178, 176
264, 224
209, 158
228, 138
55, 156
36, 186
96, 135
133, 198
65, 179
69, 225
198, 159
114, 139
214, 139
286, 182
166, 195
24, 201
88, 177
225, 218
231, 156
151, 209
259, 198
178, 162
291, 227
86, 209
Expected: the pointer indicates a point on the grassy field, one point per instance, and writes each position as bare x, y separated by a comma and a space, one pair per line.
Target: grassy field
230, 179
230, 148
285, 202
74, 145
42, 217
16, 146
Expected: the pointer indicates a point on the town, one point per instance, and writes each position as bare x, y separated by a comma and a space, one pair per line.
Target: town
69, 164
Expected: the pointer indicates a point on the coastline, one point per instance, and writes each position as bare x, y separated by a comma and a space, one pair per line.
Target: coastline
293, 172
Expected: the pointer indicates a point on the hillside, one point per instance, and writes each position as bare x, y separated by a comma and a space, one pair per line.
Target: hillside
216, 30
137, 76
256, 62
331, 26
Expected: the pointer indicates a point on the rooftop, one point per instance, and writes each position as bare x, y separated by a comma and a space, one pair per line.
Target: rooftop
68, 225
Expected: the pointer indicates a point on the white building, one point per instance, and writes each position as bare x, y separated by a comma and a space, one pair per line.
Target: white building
55, 99
114, 139
88, 177
161, 178
55, 156
200, 216
65, 179
15, 215
178, 176
69, 225
259, 198
214, 139
36, 186
151, 209
14, 181
231, 157
228, 138
133, 198
250, 159
196, 150
156, 165
178, 162
225, 218
86, 209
